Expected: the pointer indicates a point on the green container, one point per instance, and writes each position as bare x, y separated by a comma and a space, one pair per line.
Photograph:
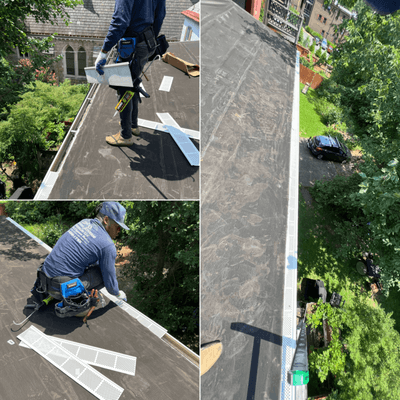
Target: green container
300, 377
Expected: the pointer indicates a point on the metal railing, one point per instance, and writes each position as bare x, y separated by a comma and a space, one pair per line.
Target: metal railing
282, 19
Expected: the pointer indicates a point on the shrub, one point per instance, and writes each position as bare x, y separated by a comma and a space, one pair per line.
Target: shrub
330, 114
312, 47
313, 33
301, 36
35, 124
293, 10
330, 91
322, 58
319, 53
334, 196
306, 62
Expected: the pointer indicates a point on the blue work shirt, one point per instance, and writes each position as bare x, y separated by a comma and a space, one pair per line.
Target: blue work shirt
134, 14
84, 244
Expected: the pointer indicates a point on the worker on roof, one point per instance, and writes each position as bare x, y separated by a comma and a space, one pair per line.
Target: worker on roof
86, 251
141, 20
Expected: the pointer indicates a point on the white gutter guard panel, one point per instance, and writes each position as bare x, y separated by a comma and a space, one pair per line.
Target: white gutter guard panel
167, 119
48, 248
160, 127
166, 83
188, 149
97, 357
289, 331
158, 330
86, 376
114, 74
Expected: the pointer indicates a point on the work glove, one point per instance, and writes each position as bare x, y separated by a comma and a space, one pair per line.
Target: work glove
100, 62
122, 295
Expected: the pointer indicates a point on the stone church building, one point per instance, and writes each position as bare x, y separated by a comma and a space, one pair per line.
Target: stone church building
81, 40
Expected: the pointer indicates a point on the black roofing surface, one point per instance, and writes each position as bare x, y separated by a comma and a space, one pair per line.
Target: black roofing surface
154, 167
161, 372
92, 19
246, 111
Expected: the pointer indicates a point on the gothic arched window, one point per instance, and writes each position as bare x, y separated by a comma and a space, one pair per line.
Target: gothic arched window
81, 61
70, 61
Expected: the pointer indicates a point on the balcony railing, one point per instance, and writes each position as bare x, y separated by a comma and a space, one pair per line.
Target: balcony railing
282, 19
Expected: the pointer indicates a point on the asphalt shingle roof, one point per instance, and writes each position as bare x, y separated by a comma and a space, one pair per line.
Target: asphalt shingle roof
92, 19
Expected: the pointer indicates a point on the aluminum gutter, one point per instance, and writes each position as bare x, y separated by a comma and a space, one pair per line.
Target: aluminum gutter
51, 176
289, 331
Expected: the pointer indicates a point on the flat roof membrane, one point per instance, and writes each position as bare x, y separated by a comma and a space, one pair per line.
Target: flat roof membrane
153, 167
246, 107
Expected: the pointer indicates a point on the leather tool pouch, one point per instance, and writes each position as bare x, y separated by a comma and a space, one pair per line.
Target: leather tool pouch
149, 39
39, 290
162, 46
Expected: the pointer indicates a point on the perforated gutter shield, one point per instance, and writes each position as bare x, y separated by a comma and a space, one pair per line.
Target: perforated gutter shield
152, 326
52, 174
96, 356
289, 333
92, 380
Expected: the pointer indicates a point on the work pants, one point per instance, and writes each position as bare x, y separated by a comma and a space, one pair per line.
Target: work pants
91, 279
129, 117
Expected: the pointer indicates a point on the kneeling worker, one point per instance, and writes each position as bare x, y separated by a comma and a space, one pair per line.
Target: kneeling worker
87, 252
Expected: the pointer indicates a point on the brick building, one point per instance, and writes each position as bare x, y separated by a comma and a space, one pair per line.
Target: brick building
81, 40
322, 19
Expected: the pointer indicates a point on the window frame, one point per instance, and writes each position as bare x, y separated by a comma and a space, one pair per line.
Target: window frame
76, 61
188, 33
84, 61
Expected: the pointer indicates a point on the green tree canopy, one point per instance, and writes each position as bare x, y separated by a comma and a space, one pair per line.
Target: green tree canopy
365, 83
165, 237
365, 356
12, 28
35, 124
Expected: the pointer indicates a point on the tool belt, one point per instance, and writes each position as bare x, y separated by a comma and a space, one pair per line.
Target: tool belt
75, 299
147, 35
44, 284
126, 49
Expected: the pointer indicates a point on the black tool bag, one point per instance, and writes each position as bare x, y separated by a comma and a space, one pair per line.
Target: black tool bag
75, 299
161, 49
39, 290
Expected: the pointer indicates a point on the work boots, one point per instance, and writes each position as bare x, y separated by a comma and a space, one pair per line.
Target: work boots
135, 131
118, 140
